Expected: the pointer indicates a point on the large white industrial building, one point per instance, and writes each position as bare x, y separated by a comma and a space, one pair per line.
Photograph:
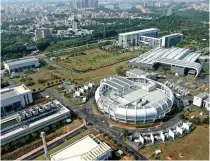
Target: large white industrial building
134, 100
15, 97
18, 125
21, 64
133, 38
180, 60
87, 148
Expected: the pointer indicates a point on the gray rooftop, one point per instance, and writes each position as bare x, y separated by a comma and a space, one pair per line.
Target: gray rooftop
139, 31
137, 71
173, 56
20, 61
202, 95
8, 94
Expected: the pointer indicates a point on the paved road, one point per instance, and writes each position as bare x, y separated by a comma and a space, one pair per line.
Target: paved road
100, 122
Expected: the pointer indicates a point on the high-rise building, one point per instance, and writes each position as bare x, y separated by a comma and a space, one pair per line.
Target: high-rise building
42, 33
80, 4
75, 24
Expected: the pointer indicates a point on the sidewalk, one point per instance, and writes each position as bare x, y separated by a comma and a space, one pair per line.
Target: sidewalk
51, 142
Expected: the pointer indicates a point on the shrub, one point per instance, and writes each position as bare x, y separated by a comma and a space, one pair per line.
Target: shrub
41, 81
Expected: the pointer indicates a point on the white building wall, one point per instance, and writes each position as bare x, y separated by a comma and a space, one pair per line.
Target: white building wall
197, 101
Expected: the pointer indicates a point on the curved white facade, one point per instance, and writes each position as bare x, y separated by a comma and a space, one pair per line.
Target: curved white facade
134, 101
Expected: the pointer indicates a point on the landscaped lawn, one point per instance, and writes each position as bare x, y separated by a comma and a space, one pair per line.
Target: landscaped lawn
98, 74
194, 146
70, 141
45, 77
132, 126
94, 59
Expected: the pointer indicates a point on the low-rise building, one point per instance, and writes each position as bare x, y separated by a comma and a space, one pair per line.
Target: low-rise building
21, 64
28, 121
15, 97
202, 100
137, 73
87, 148
171, 40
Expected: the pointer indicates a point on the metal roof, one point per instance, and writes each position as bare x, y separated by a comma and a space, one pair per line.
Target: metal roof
21, 61
180, 63
8, 94
202, 95
139, 31
176, 56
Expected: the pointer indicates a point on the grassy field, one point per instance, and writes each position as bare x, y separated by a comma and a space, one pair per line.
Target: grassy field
194, 146
99, 73
70, 141
94, 59
45, 77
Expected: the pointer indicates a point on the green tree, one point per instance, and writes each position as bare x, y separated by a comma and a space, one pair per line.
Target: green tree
206, 120
43, 44
119, 70
124, 133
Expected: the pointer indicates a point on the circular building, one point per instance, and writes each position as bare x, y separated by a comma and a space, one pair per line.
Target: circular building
134, 101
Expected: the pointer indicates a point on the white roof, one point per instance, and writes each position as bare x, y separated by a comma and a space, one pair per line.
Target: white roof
173, 56
21, 61
139, 31
13, 90
84, 149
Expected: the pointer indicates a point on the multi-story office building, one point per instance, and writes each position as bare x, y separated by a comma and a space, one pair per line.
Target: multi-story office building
87, 148
134, 38
151, 41
171, 40
81, 4
14, 98
21, 64
148, 37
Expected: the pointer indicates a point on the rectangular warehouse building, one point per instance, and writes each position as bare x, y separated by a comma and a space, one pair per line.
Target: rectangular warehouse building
133, 38
30, 120
21, 64
87, 148
179, 60
15, 97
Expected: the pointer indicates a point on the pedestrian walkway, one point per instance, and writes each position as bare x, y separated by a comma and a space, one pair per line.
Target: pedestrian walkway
51, 142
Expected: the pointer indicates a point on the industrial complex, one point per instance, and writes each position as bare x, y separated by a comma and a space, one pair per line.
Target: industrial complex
87, 148
30, 120
134, 100
14, 98
180, 60
21, 64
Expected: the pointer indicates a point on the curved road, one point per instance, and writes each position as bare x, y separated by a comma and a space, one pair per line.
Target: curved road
100, 122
